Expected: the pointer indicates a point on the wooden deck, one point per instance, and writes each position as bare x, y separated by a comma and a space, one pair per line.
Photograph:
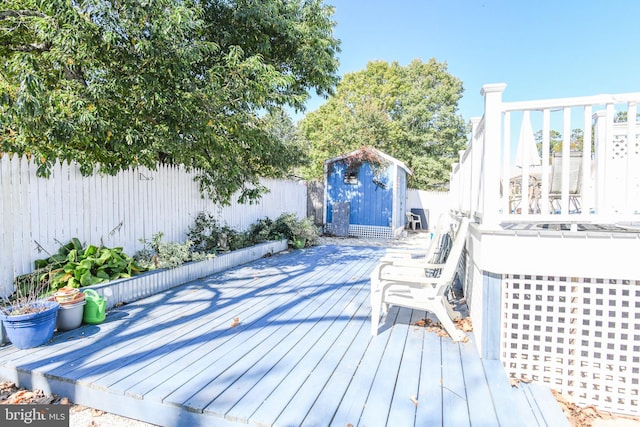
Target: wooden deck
282, 341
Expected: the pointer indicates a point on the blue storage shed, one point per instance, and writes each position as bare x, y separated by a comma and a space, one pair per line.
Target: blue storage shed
365, 194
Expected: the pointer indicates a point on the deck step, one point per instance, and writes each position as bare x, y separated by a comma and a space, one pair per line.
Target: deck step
533, 405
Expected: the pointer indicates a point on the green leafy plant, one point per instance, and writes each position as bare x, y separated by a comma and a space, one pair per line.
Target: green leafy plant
159, 254
288, 226
305, 229
76, 266
210, 237
262, 231
205, 233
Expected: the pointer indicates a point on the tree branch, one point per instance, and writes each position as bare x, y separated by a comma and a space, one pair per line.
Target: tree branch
34, 47
20, 14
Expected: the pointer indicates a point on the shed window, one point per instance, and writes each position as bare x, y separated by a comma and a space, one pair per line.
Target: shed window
351, 175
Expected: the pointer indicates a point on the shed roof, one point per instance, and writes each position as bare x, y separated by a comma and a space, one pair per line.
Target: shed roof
377, 152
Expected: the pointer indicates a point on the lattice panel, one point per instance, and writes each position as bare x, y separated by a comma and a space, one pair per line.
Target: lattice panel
620, 148
367, 231
580, 336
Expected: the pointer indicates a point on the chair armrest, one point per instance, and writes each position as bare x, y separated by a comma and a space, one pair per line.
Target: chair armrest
412, 263
427, 283
404, 258
394, 251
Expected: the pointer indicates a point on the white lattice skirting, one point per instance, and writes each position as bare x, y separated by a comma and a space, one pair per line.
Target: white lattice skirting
367, 231
580, 336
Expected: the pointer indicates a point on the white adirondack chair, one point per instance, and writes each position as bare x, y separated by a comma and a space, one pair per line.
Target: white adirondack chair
420, 283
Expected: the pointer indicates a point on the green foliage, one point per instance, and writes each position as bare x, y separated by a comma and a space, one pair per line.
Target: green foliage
210, 237
76, 266
205, 233
408, 112
113, 85
576, 140
160, 254
291, 228
262, 231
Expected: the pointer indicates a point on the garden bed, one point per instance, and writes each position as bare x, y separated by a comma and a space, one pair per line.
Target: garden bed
146, 284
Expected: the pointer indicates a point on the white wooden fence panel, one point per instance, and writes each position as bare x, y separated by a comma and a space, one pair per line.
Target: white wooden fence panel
38, 215
435, 202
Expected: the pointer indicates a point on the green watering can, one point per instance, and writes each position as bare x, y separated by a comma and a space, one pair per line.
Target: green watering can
95, 309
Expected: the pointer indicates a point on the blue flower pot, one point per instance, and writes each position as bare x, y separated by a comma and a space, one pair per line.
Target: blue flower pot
32, 329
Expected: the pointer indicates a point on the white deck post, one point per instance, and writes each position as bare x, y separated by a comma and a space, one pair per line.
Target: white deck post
600, 157
476, 163
491, 153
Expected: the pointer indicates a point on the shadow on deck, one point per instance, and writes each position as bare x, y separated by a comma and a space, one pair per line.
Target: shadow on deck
281, 341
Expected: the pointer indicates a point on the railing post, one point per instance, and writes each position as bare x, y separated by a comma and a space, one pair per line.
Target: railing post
491, 154
633, 177
474, 170
600, 158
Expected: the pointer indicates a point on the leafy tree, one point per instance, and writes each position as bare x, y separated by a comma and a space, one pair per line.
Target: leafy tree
113, 85
408, 112
621, 117
555, 140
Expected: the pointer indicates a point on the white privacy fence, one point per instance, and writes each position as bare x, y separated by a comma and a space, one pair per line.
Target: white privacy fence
38, 215
434, 203
594, 175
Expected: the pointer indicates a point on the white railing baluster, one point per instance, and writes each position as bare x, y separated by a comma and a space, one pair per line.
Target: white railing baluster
587, 190
566, 160
632, 183
545, 206
506, 165
609, 184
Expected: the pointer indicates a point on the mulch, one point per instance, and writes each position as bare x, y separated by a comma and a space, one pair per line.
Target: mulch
11, 394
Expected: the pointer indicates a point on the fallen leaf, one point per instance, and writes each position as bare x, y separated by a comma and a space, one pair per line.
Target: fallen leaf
97, 412
516, 381
465, 324
21, 396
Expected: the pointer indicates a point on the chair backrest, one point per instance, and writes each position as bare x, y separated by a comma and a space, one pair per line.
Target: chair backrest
439, 239
575, 173
453, 258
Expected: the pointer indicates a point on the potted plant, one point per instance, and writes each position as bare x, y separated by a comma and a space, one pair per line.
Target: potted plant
303, 233
29, 320
71, 310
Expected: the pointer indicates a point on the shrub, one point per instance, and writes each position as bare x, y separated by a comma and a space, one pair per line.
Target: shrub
159, 254
205, 233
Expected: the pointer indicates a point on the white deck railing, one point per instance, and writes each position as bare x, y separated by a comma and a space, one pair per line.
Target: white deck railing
483, 182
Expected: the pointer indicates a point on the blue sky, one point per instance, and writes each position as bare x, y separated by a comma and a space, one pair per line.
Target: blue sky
540, 48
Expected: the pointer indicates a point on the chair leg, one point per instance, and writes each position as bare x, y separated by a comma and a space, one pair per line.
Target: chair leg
439, 308
375, 319
376, 302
